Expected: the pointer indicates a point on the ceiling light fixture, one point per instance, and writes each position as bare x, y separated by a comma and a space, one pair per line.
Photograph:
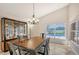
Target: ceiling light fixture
33, 20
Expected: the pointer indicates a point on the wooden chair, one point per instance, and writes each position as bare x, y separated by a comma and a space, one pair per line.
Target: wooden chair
24, 51
13, 49
44, 48
16, 50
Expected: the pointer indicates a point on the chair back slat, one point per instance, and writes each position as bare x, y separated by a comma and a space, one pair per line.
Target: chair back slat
12, 49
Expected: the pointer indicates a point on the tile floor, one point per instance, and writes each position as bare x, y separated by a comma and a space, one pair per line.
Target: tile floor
58, 47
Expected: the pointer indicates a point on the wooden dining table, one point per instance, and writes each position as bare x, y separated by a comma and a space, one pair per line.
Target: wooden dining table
31, 44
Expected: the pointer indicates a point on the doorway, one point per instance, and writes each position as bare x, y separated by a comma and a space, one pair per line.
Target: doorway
56, 33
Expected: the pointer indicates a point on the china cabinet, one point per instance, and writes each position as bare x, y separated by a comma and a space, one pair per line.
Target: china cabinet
10, 29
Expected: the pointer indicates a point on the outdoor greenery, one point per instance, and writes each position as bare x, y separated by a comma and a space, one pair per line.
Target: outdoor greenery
59, 30
56, 32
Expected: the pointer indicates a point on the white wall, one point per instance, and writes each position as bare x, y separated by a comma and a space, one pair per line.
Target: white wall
59, 16
73, 11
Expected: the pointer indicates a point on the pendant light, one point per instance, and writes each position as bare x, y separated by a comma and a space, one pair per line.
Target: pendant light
33, 20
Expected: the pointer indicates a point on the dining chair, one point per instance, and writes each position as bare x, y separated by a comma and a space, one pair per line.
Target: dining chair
43, 50
16, 50
13, 49
24, 51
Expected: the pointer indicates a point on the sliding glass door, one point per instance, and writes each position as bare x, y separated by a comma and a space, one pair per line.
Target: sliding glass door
56, 30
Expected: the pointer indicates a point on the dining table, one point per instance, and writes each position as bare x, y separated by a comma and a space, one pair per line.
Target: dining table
32, 44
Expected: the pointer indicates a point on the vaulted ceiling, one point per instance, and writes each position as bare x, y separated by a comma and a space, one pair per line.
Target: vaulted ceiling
24, 11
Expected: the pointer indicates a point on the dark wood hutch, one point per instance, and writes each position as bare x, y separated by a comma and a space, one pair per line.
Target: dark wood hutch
10, 30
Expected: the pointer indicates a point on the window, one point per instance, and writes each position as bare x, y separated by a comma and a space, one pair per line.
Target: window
56, 30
